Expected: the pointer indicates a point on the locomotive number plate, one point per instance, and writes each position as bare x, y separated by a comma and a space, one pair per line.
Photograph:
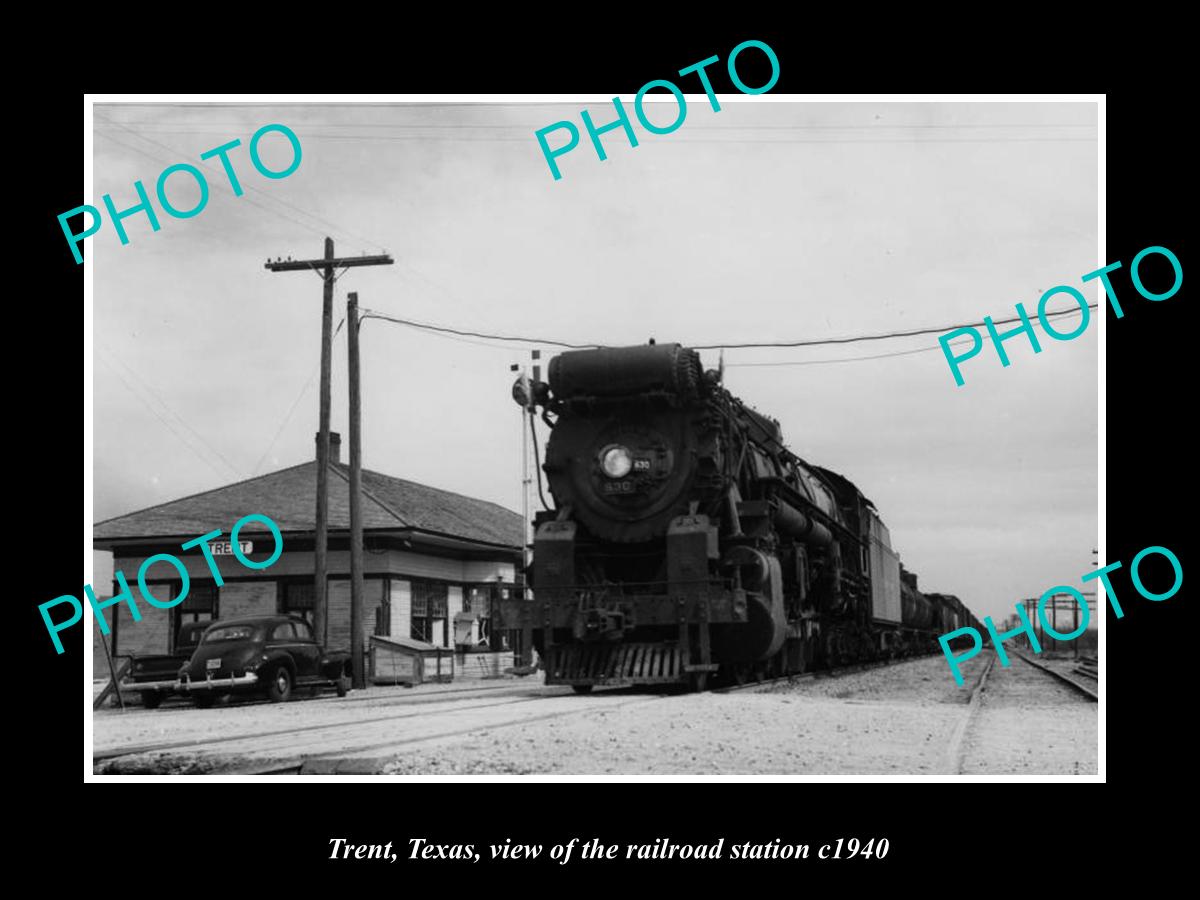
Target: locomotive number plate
641, 465
618, 487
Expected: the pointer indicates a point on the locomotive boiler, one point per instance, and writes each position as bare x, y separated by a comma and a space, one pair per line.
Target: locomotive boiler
686, 542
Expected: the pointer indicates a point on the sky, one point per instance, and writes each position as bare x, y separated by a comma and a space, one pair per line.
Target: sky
765, 221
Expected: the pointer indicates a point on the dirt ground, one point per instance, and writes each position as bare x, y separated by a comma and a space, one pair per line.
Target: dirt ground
1030, 724
896, 720
177, 721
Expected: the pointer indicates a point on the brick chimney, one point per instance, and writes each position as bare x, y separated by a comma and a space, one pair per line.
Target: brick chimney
335, 446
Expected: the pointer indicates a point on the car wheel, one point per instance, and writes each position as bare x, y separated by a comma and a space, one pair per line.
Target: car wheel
205, 700
152, 699
279, 687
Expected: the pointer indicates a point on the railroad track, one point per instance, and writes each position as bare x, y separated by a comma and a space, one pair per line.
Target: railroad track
166, 746
177, 704
1070, 682
311, 743
956, 752
994, 745
313, 747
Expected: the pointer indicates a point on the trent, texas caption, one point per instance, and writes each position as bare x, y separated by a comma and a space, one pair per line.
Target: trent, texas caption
593, 849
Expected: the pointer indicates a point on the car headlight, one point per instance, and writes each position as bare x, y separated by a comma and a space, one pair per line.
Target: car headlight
616, 461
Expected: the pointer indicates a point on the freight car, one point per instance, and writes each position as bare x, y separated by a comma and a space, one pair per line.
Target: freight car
686, 542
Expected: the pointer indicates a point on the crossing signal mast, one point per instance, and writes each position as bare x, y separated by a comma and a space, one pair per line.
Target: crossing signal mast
523, 395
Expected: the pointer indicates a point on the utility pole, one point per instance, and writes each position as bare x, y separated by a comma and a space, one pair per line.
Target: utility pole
324, 267
1075, 626
356, 526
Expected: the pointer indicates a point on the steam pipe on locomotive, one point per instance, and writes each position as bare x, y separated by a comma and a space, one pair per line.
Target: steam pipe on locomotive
686, 541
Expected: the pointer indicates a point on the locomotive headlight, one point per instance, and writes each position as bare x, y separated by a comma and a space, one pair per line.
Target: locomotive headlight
616, 461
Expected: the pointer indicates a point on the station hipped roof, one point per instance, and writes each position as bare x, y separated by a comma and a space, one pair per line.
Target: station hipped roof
288, 498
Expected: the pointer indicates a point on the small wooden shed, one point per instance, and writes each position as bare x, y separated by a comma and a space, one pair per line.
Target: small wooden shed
400, 660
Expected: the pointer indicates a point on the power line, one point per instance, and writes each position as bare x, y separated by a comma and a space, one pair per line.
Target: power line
847, 359
407, 268
850, 359
295, 404
158, 158
273, 197
427, 326
869, 337
337, 228
690, 140
164, 422
149, 388
156, 124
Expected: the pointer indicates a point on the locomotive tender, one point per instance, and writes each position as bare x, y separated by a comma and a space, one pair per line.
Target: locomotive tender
688, 543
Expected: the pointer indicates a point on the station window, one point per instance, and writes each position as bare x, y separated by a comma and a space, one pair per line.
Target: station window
297, 599
200, 605
429, 606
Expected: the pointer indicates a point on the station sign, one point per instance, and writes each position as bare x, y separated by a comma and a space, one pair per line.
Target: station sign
225, 548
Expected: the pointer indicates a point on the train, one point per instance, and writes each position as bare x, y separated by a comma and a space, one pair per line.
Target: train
686, 544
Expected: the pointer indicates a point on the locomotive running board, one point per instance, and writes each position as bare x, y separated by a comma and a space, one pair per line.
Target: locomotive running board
616, 664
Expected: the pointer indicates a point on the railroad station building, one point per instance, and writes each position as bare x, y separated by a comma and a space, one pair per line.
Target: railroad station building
432, 560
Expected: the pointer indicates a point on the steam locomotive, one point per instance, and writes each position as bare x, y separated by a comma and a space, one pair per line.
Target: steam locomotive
688, 545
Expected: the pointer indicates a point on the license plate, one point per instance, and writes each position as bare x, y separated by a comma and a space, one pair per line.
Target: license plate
213, 664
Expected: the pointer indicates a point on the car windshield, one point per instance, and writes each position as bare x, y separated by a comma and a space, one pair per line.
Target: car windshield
230, 633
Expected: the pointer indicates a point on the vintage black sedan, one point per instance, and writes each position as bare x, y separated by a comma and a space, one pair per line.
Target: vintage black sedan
261, 654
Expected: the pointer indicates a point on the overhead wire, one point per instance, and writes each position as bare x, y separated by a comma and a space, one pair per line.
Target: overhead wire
689, 140
870, 337
150, 389
345, 232
295, 404
159, 159
166, 423
444, 329
426, 326
155, 124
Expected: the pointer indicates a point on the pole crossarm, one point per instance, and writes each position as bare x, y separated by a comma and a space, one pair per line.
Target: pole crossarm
348, 262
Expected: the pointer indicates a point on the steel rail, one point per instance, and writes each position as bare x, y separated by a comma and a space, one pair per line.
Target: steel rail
1070, 682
